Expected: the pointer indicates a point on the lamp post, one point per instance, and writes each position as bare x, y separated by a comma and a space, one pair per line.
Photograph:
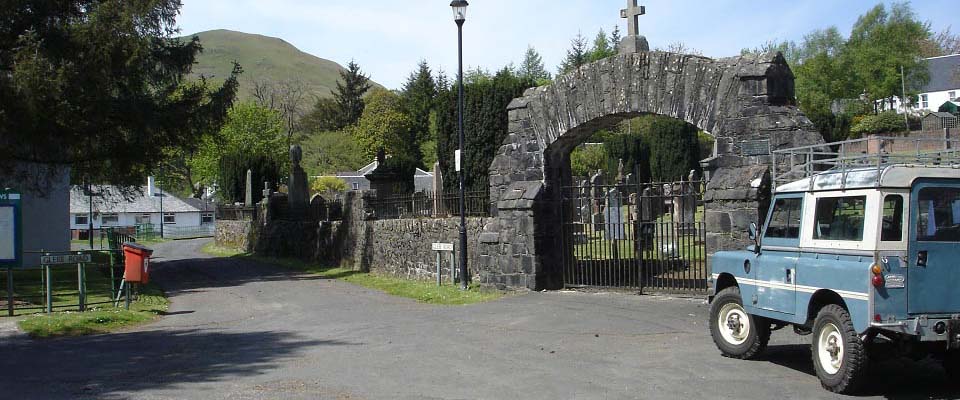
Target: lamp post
460, 16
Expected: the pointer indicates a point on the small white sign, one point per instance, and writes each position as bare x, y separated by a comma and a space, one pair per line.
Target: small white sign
8, 234
443, 247
456, 155
65, 259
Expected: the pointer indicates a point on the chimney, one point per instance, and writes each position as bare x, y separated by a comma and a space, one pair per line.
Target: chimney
151, 186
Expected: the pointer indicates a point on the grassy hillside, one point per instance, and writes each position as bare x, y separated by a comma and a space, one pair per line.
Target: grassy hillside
263, 57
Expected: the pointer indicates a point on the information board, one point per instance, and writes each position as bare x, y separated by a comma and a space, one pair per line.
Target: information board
10, 230
756, 148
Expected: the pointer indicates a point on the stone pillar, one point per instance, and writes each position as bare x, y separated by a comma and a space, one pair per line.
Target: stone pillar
248, 190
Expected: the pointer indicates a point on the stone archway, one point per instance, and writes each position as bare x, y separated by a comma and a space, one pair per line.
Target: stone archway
746, 103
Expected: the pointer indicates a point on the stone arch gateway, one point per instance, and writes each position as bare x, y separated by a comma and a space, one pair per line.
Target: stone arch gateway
741, 101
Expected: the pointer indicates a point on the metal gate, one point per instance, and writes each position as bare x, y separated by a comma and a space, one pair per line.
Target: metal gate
635, 236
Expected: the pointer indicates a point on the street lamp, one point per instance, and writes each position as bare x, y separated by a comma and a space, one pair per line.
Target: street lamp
460, 16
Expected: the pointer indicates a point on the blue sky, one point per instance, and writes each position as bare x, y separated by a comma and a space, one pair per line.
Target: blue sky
388, 38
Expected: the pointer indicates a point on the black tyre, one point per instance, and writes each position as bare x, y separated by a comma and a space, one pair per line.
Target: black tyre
736, 333
839, 356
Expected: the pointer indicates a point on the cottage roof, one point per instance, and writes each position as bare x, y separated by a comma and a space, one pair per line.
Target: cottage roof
944, 73
110, 199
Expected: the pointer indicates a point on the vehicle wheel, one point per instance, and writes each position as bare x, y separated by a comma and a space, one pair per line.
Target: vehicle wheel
839, 356
736, 333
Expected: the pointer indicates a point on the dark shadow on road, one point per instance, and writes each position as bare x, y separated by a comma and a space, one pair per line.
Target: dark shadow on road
101, 366
897, 378
194, 275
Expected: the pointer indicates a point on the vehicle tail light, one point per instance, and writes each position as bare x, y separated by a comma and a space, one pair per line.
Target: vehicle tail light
877, 280
877, 269
877, 318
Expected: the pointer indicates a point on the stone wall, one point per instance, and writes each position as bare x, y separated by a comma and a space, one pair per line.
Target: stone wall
403, 247
234, 235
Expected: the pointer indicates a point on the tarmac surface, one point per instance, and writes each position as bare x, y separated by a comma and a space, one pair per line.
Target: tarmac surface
237, 329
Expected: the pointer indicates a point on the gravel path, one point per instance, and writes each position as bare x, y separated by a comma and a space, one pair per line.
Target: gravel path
237, 329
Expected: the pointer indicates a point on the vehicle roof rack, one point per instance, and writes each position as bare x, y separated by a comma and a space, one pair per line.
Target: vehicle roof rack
873, 153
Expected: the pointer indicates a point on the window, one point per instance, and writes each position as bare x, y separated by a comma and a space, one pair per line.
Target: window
785, 219
142, 219
892, 224
81, 219
356, 186
924, 101
206, 218
109, 219
939, 215
840, 218
952, 95
169, 218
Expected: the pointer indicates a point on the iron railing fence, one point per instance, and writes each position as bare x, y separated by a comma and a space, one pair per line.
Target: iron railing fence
430, 205
647, 237
840, 158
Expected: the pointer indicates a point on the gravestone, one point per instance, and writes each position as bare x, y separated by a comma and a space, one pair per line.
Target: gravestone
614, 216
632, 202
597, 200
634, 42
248, 190
297, 189
685, 210
267, 191
647, 226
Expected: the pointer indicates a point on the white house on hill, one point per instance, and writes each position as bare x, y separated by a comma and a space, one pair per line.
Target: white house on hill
944, 86
357, 180
146, 207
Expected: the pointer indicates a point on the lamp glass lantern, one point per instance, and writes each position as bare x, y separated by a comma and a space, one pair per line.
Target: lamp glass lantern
459, 10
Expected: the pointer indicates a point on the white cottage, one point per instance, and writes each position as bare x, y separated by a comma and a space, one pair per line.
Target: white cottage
111, 208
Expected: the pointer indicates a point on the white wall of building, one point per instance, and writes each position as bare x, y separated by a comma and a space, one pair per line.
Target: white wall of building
183, 219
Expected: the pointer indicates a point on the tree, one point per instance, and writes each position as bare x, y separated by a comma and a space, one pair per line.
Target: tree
328, 184
615, 37
326, 153
485, 120
601, 48
251, 132
885, 122
532, 67
418, 95
585, 160
674, 148
577, 55
384, 125
324, 117
943, 43
99, 85
286, 97
681, 48
349, 94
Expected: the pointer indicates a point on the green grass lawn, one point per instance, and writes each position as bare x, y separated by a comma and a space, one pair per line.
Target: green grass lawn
29, 300
426, 292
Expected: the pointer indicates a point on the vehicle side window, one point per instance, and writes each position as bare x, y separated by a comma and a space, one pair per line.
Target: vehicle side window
939, 215
840, 218
892, 229
785, 219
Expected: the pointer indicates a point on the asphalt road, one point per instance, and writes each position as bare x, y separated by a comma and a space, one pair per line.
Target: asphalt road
241, 330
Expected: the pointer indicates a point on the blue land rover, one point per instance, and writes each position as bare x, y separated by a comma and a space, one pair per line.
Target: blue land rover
864, 255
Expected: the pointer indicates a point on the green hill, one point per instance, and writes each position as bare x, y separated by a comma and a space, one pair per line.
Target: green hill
263, 58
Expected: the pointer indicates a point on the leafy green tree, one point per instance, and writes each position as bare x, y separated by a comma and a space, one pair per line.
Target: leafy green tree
326, 153
601, 48
577, 55
419, 98
674, 149
349, 94
532, 67
885, 122
250, 133
99, 85
385, 125
328, 184
585, 160
324, 117
633, 149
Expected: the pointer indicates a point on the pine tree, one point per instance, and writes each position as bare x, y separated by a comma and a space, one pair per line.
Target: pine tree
349, 94
532, 66
615, 37
576, 56
419, 93
601, 48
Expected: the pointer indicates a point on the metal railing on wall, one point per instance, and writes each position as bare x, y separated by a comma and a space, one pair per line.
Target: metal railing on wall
430, 205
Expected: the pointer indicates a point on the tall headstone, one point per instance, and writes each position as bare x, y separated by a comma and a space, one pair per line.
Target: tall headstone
298, 192
248, 190
597, 200
267, 192
685, 210
634, 42
614, 216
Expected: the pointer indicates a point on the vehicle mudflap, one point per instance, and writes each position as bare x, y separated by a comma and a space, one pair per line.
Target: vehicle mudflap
953, 334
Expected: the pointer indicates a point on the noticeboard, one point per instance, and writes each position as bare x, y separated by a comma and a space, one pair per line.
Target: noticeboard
755, 148
10, 230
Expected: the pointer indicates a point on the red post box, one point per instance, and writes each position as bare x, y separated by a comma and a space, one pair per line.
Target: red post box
136, 263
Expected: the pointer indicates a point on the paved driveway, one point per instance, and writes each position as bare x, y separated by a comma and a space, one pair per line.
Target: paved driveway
241, 330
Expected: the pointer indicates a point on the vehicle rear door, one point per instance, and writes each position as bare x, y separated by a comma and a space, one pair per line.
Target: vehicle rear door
934, 268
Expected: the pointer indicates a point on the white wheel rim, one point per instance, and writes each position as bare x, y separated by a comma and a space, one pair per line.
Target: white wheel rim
830, 348
734, 324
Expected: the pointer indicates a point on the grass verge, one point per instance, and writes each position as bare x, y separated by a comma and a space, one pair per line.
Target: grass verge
148, 306
426, 292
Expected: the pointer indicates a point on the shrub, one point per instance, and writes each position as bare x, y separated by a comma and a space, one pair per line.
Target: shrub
328, 184
885, 122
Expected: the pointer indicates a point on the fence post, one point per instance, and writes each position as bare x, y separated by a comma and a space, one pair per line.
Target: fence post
81, 286
10, 291
49, 288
